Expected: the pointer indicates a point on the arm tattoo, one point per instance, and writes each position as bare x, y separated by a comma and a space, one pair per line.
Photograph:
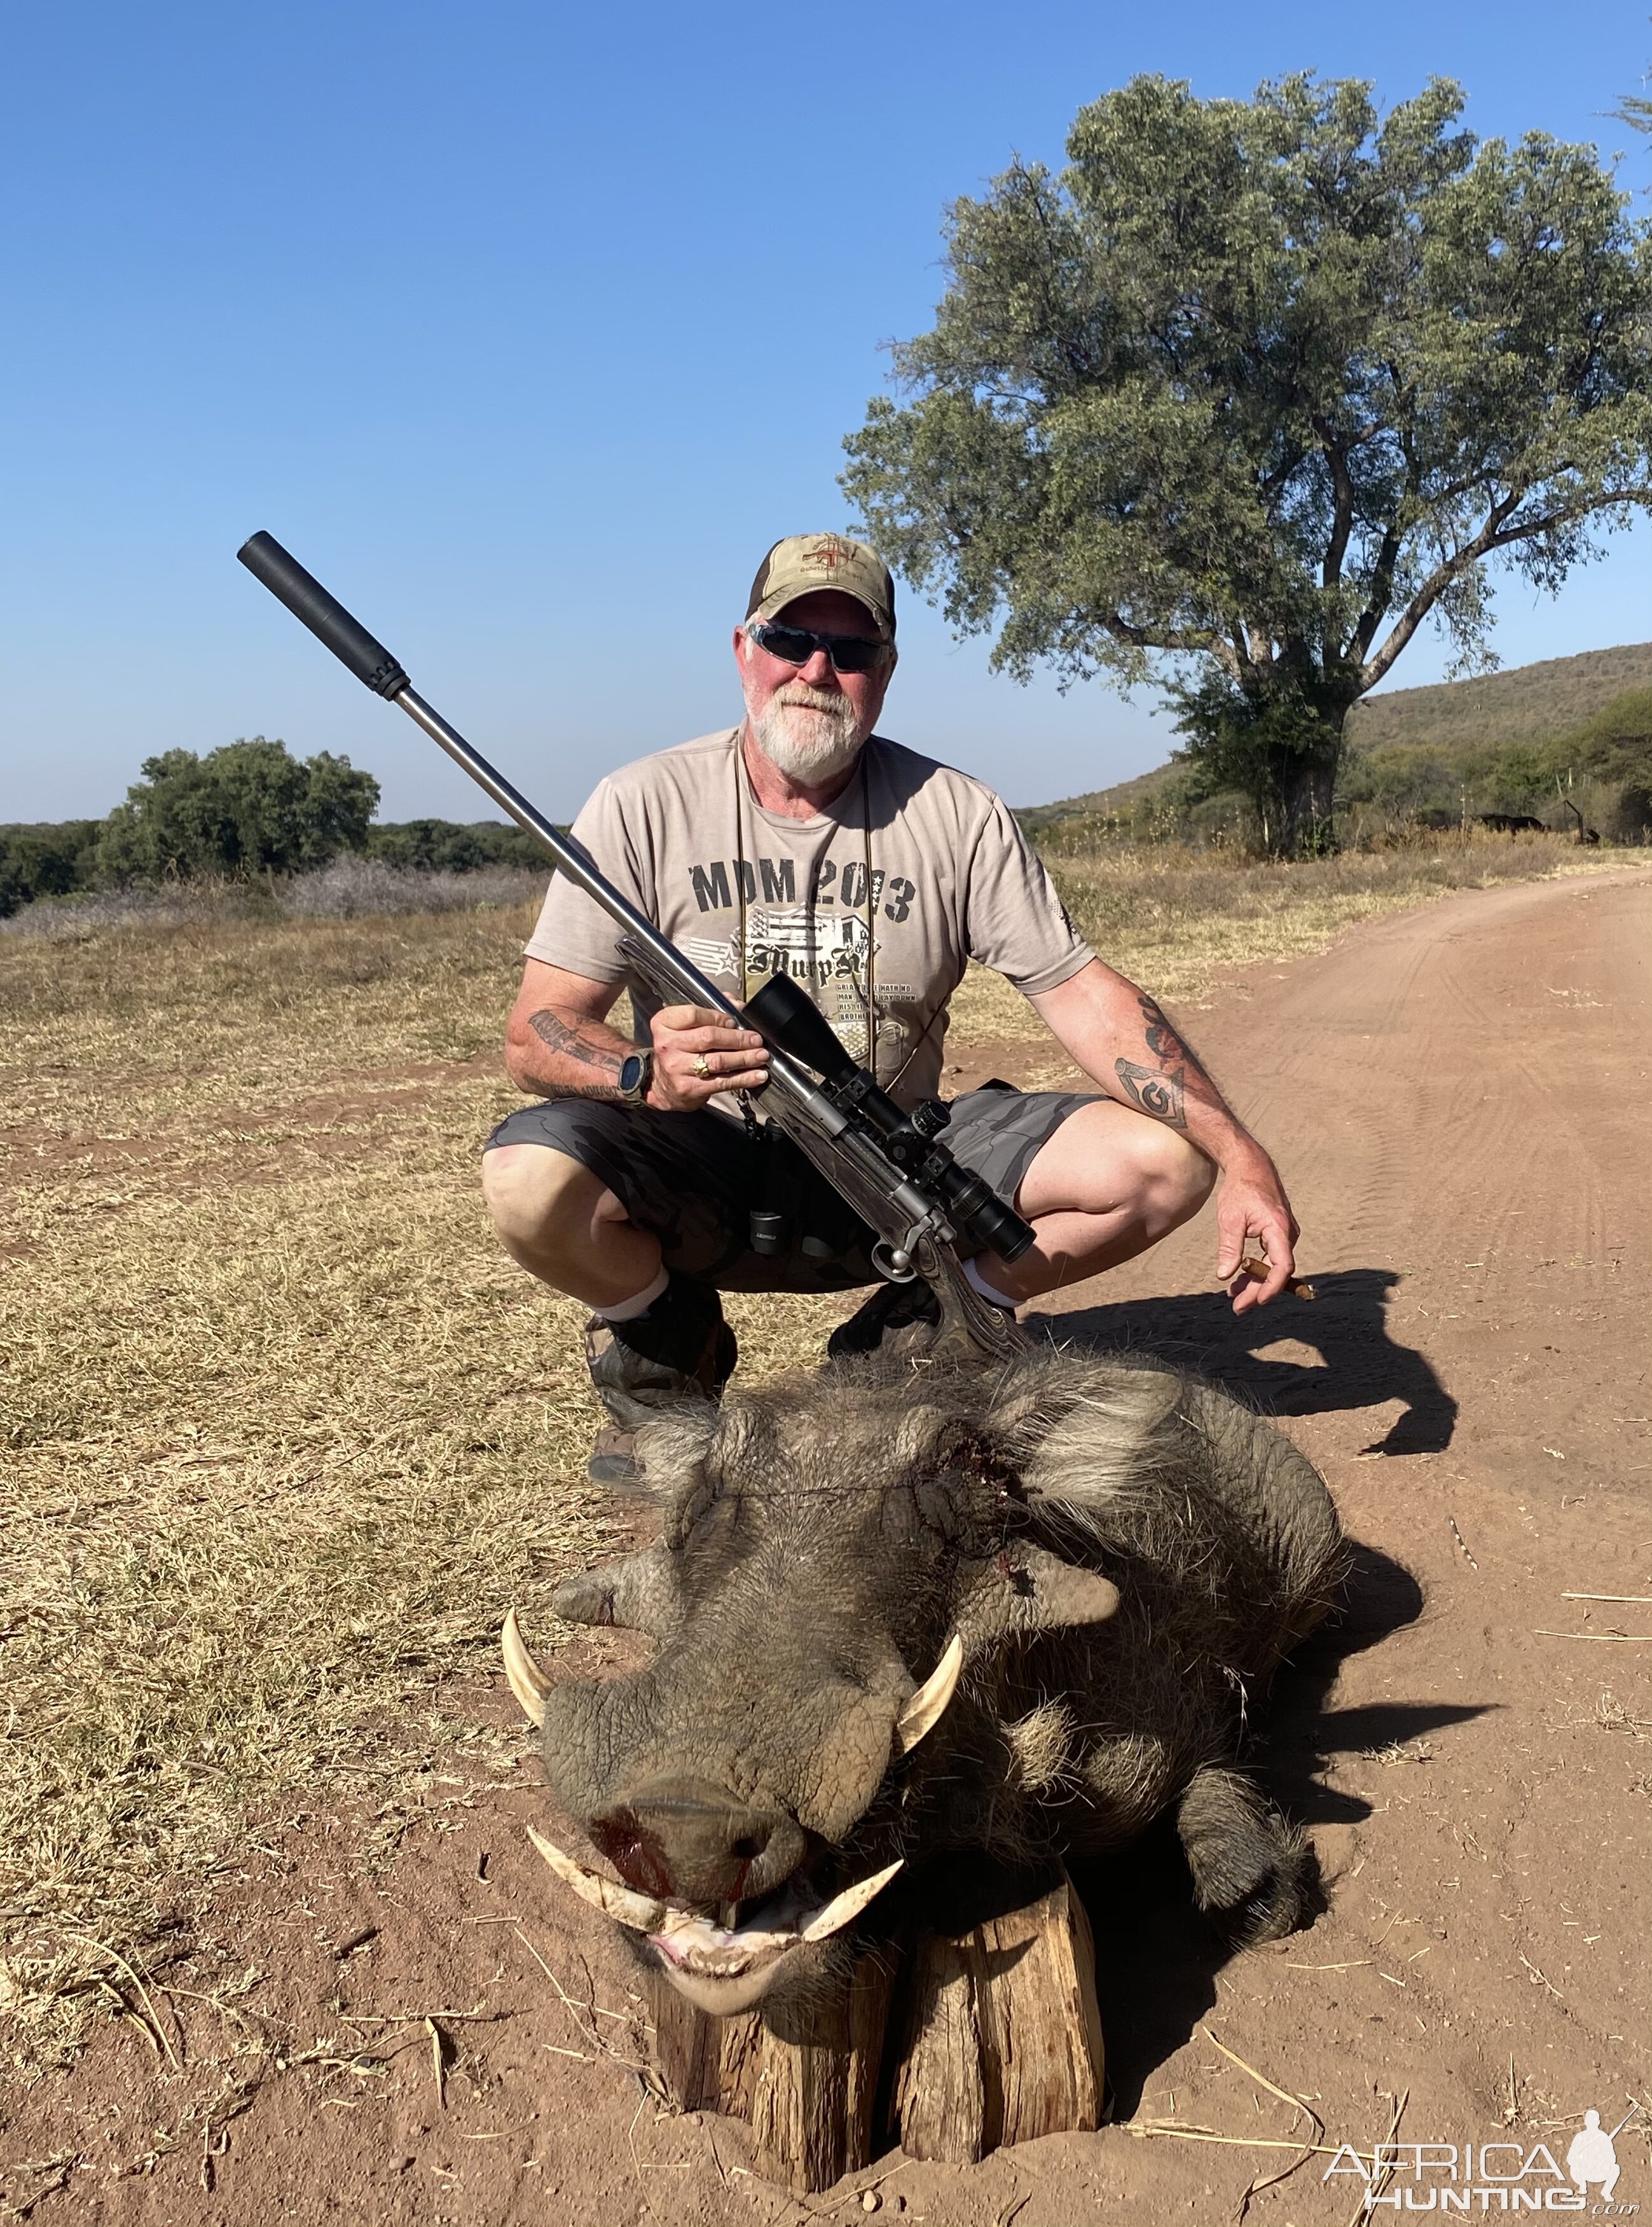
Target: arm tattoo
587, 1045
1162, 1095
1162, 1040
1161, 1091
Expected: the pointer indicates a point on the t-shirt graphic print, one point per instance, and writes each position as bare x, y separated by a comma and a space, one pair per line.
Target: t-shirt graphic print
913, 870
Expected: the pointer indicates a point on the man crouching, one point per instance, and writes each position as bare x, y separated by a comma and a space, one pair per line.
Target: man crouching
645, 1182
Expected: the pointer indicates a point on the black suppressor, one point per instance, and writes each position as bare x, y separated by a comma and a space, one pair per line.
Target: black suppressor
781, 1012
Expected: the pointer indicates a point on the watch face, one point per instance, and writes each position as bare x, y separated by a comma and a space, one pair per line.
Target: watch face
631, 1071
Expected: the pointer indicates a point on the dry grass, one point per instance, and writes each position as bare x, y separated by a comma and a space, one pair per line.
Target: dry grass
284, 1431
347, 889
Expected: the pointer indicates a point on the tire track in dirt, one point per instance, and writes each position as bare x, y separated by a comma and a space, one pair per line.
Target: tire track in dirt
1459, 1101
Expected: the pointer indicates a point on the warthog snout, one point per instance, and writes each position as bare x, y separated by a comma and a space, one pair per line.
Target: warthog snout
693, 1841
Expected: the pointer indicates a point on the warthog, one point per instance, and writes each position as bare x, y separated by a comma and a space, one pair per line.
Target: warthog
905, 1613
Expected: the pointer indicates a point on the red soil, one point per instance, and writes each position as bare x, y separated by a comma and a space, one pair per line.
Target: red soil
1457, 1097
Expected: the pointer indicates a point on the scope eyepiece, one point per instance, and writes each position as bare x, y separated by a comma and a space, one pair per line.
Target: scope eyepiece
982, 1215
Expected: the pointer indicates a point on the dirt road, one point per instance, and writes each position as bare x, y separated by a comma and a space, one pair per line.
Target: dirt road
1458, 1098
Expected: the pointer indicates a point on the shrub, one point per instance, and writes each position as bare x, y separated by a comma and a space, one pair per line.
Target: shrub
249, 808
45, 860
446, 846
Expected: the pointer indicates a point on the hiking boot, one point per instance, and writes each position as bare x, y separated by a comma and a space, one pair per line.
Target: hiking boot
891, 1308
680, 1349
613, 1457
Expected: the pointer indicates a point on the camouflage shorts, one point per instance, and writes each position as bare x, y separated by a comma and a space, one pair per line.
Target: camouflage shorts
695, 1179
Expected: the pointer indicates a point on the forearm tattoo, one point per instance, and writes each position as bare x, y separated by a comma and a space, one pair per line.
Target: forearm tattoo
1162, 1040
1164, 1097
1161, 1091
587, 1045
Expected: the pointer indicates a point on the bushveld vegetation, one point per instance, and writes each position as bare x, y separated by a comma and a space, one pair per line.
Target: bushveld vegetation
251, 830
1521, 704
248, 812
1460, 750
285, 1430
1253, 390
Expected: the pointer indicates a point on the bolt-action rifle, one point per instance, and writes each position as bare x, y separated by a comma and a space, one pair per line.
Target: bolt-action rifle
888, 1165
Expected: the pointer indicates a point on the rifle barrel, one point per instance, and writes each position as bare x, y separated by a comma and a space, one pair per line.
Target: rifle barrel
566, 855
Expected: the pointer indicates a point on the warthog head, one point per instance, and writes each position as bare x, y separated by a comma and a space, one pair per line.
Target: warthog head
842, 1561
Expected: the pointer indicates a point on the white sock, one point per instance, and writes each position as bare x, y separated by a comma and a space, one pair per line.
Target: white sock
628, 1310
994, 1298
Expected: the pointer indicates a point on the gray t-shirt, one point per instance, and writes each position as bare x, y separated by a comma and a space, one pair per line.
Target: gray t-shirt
912, 871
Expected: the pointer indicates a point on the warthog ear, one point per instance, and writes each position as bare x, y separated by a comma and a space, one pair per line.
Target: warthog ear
638, 1593
671, 1448
1031, 1403
1027, 1590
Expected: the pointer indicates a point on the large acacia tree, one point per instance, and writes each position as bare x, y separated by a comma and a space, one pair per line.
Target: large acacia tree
1253, 389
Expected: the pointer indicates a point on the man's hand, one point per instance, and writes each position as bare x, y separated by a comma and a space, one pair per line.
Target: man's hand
696, 1054
1252, 1209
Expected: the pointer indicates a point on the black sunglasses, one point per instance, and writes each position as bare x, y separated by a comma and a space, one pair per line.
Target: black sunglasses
850, 653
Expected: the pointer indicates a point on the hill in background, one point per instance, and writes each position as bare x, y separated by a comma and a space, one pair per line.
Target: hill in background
1499, 742
1529, 704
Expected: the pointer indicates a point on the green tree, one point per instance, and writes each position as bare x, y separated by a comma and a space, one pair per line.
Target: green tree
44, 860
1255, 389
249, 808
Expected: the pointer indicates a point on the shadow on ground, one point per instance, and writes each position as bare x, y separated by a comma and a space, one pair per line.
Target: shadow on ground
1359, 1365
1156, 1958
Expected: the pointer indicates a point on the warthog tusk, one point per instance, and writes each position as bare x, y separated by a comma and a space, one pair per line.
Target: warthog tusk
639, 1911
924, 1711
850, 1904
527, 1681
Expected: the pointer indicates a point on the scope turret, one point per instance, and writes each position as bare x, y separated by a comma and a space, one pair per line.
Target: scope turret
784, 1016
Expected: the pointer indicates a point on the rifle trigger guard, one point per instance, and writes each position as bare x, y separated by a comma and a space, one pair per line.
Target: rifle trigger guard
893, 1261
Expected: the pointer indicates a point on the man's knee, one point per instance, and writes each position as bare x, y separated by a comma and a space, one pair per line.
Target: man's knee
1177, 1174
1106, 1157
533, 1191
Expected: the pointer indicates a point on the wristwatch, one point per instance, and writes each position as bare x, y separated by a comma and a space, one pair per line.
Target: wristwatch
636, 1073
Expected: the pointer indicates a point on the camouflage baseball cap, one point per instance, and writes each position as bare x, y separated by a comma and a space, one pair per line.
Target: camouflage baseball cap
804, 563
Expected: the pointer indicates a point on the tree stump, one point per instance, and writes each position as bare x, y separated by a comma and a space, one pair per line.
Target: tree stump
957, 2043
805, 2078
1002, 2035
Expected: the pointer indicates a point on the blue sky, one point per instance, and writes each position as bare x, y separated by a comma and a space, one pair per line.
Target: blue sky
528, 328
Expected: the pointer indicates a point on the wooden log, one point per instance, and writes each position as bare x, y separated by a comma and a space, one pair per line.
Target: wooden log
996, 2038
808, 2079
688, 2045
805, 2076
999, 2038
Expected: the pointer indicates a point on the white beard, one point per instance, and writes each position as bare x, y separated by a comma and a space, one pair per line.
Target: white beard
812, 736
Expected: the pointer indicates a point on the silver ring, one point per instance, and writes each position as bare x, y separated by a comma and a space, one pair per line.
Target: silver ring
701, 1069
